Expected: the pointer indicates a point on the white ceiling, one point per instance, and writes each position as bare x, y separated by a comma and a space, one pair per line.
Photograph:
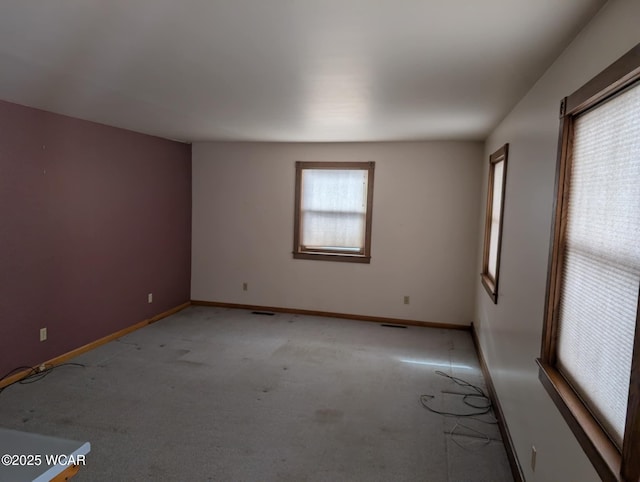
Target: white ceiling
283, 70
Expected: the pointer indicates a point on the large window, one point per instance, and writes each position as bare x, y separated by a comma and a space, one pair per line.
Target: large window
493, 222
590, 362
333, 211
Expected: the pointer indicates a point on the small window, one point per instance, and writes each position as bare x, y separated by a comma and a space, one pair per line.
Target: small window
590, 361
333, 211
493, 223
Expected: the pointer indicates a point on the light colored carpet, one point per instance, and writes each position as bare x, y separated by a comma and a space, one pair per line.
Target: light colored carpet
226, 395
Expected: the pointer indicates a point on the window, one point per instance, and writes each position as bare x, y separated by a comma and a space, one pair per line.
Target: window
590, 361
333, 211
493, 222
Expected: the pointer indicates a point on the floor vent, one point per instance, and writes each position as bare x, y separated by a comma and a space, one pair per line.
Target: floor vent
266, 313
388, 325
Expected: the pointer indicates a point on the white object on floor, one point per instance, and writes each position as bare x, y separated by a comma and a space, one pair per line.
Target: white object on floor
40, 457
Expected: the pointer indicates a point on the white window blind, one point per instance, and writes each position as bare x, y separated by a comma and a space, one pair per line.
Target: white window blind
334, 207
601, 270
498, 172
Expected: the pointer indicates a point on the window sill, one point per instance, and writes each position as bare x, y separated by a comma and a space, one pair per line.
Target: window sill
490, 287
342, 257
601, 451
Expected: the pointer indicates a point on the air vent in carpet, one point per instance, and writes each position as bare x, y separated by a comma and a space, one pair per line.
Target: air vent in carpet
266, 313
388, 325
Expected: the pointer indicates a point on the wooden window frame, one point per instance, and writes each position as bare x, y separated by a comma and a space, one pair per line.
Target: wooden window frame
611, 463
299, 251
489, 282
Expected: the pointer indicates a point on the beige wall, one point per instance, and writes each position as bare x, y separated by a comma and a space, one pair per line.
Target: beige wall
510, 332
425, 222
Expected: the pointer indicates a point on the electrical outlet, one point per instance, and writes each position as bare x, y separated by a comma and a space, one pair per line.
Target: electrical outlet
406, 300
150, 298
245, 286
43, 334
534, 454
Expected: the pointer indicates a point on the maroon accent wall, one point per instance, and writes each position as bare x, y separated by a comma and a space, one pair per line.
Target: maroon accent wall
92, 218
